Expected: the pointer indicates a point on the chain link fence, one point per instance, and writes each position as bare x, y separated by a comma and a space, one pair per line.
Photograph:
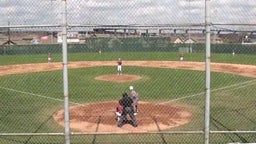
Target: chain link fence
162, 45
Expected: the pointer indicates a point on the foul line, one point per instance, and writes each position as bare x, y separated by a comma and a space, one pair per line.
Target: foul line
37, 95
240, 85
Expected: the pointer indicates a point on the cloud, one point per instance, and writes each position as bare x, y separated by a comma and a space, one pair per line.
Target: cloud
229, 11
31, 12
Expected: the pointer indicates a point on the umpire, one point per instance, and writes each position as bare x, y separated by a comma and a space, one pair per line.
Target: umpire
126, 102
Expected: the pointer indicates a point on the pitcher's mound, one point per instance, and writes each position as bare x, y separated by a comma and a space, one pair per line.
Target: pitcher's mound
119, 78
100, 117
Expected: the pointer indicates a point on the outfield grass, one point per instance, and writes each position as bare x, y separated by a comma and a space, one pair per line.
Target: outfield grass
28, 101
150, 56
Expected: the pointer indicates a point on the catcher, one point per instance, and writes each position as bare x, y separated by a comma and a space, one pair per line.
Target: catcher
126, 103
119, 111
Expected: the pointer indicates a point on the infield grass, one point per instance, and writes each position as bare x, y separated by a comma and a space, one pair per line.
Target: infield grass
28, 101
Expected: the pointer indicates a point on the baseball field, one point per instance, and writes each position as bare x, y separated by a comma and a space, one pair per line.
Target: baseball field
172, 97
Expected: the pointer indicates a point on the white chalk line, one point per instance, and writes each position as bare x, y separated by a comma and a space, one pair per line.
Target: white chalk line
38, 95
236, 86
233, 87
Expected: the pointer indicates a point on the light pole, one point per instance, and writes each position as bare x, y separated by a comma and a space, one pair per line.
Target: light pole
52, 31
190, 23
189, 36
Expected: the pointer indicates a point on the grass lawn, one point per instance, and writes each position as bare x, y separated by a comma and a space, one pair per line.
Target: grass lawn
28, 101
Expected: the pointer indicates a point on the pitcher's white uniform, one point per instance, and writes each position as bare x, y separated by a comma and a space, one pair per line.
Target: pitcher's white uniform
119, 66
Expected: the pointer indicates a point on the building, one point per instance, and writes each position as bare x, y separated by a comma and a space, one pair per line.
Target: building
248, 41
194, 38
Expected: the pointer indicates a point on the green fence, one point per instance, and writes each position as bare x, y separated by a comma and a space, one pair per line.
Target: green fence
148, 44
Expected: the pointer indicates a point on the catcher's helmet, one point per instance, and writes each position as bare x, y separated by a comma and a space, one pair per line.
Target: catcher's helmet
125, 94
131, 87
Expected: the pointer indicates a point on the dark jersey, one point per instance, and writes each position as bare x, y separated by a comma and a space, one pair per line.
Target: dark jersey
126, 101
119, 63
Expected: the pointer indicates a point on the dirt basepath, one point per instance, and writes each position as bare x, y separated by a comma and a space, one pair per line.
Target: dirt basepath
244, 70
99, 117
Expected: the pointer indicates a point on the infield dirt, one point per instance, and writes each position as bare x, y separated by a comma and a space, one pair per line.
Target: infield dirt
99, 117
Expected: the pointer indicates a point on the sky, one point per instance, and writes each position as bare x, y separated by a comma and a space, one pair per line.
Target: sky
123, 12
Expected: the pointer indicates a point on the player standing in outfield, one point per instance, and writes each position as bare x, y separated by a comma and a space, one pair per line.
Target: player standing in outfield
181, 56
100, 51
49, 57
135, 98
233, 52
119, 66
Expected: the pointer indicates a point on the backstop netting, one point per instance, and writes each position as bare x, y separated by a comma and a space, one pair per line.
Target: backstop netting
161, 48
